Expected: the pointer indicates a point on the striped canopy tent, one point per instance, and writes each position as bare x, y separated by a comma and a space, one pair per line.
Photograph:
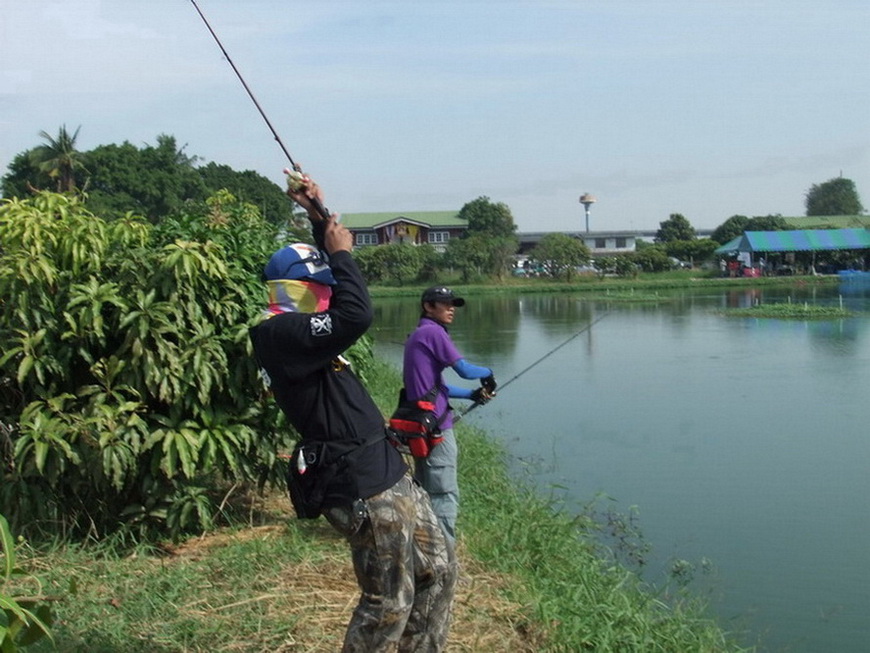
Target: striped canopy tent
802, 240
730, 247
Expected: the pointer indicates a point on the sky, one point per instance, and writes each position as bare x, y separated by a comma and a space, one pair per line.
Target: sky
705, 108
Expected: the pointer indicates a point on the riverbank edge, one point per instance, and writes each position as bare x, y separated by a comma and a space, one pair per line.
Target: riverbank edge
576, 594
594, 285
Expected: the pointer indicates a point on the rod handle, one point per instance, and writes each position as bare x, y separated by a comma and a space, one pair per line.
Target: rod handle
318, 206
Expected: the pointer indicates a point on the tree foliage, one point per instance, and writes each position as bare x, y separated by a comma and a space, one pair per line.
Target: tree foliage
652, 258
737, 224
471, 256
676, 227
59, 159
152, 180
401, 262
371, 263
837, 196
767, 223
53, 165
492, 232
125, 366
697, 250
23, 176
730, 229
250, 186
430, 259
485, 217
560, 255
625, 266
397, 263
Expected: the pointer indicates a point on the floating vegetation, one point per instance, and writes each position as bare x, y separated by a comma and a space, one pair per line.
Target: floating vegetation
805, 311
629, 295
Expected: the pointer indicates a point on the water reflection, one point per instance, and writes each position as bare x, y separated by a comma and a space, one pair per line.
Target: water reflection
490, 326
487, 326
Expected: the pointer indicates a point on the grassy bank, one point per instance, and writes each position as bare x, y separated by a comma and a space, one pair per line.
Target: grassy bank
593, 285
534, 579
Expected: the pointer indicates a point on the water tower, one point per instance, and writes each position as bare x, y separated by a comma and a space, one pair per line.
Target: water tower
587, 200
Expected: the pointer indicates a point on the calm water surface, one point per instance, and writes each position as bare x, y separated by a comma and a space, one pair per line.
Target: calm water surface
742, 442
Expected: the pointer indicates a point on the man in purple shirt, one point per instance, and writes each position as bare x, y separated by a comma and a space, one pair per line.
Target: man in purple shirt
428, 352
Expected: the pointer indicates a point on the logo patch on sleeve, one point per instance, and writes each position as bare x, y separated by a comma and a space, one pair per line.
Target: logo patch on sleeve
264, 376
321, 324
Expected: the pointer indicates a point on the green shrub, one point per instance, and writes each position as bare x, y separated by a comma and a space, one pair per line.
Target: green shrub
126, 372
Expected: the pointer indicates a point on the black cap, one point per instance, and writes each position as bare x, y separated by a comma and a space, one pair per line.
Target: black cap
441, 294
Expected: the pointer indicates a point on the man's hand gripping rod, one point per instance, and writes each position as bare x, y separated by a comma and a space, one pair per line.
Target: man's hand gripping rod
296, 180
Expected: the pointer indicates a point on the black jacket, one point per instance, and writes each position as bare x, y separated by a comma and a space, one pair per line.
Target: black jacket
318, 391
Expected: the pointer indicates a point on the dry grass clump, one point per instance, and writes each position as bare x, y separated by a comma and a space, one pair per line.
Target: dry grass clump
316, 596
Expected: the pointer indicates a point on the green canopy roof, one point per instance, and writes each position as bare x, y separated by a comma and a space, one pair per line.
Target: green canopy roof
802, 240
730, 246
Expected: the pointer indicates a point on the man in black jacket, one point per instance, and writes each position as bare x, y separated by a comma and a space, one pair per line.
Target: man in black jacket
344, 467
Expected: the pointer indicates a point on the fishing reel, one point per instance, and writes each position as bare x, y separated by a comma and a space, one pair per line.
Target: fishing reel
295, 179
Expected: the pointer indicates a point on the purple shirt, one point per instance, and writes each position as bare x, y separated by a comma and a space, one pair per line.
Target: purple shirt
428, 352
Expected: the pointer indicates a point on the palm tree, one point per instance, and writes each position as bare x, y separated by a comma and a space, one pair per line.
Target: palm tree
59, 159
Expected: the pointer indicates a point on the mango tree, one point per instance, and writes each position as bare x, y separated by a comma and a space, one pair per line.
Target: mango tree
126, 375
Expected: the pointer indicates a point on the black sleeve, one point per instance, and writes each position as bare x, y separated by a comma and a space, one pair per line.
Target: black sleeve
351, 306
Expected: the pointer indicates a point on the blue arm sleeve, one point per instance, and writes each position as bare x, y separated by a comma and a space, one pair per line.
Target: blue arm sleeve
457, 392
468, 371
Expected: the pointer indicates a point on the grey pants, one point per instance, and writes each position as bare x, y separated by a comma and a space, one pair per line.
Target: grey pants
405, 568
437, 475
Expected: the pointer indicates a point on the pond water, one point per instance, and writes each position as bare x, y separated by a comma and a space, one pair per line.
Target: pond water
741, 443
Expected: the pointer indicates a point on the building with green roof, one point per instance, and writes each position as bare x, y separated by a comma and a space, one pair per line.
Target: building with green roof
415, 228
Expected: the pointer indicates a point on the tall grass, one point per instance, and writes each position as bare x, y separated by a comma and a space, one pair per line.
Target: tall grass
244, 591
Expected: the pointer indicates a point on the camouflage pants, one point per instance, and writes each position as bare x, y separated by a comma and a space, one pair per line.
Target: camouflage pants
405, 569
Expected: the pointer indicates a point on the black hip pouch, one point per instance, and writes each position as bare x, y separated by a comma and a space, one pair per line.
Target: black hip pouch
321, 470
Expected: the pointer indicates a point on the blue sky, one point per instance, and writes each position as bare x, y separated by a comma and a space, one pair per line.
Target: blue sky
705, 108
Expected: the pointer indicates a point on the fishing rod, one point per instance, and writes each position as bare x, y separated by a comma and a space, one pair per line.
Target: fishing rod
295, 176
536, 363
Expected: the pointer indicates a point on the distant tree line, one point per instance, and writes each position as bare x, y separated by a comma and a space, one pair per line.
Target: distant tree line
152, 181
158, 181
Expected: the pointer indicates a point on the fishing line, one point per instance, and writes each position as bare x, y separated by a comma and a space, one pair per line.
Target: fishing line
296, 167
537, 362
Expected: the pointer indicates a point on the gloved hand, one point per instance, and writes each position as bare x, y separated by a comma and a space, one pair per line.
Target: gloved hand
480, 396
489, 384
